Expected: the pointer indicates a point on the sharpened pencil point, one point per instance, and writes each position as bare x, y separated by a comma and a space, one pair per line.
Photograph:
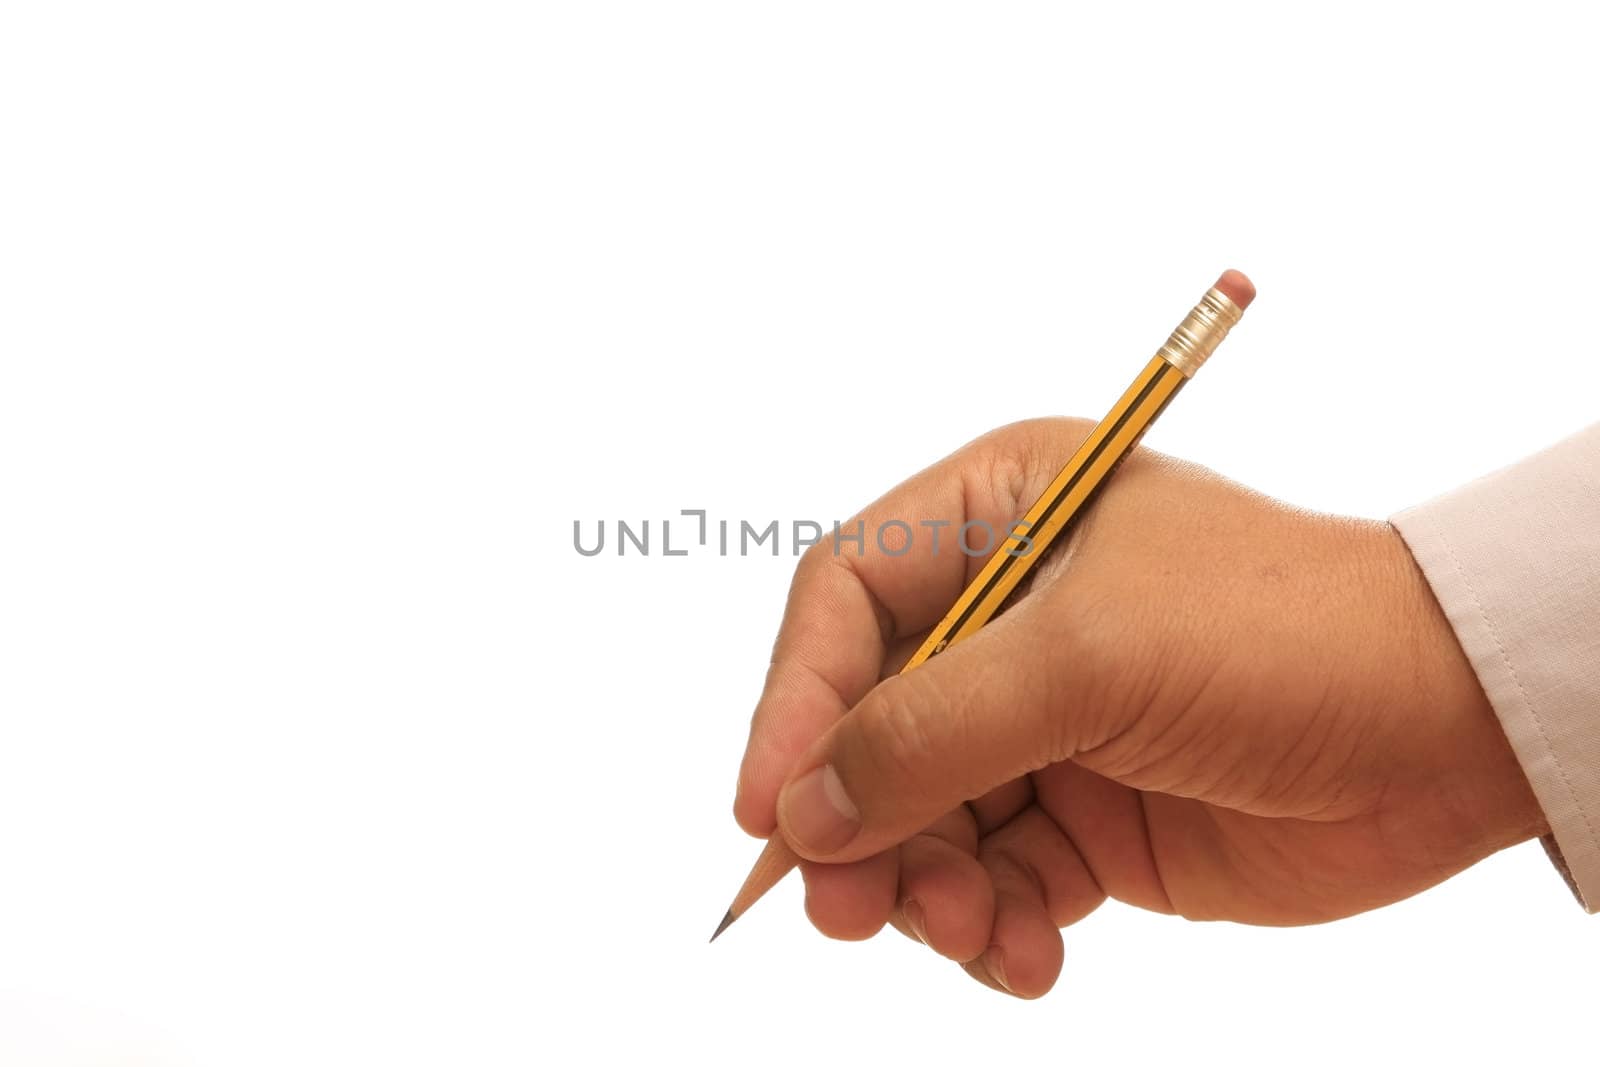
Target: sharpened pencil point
727, 921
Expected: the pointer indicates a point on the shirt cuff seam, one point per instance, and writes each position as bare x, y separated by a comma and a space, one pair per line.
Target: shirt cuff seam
1481, 640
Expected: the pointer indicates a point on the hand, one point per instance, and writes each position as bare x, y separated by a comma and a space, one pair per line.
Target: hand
1207, 703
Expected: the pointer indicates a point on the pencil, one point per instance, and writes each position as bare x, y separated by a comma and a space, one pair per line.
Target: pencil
1084, 475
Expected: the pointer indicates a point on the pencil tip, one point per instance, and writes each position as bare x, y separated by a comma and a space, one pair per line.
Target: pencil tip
727, 921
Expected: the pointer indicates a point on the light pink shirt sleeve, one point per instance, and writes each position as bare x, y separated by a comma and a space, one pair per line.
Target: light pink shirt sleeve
1514, 560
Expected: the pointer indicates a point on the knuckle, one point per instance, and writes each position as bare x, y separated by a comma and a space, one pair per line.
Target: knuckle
1007, 474
1084, 636
897, 737
1020, 458
812, 560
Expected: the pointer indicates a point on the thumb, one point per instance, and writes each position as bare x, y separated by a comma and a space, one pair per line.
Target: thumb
988, 710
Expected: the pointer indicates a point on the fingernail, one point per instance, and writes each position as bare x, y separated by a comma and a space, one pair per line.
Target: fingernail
913, 913
818, 812
995, 961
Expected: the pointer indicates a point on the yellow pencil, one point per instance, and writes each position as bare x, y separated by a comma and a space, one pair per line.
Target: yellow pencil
1084, 474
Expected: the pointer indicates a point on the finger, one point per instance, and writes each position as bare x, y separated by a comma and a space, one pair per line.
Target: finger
946, 898
1033, 846
990, 709
851, 901
1024, 953
851, 599
1040, 884
1108, 824
955, 828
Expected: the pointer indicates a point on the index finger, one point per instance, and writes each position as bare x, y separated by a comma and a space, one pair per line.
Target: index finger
892, 571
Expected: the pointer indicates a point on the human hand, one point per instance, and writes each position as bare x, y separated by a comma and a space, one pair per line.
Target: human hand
1206, 703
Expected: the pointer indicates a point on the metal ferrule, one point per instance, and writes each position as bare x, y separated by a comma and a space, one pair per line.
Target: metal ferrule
1198, 335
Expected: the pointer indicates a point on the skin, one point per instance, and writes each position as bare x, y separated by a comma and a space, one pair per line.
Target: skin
1206, 703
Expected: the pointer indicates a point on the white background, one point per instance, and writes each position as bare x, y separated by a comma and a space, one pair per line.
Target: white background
320, 324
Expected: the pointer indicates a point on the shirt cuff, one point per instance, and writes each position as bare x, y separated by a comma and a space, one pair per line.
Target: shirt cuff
1514, 560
